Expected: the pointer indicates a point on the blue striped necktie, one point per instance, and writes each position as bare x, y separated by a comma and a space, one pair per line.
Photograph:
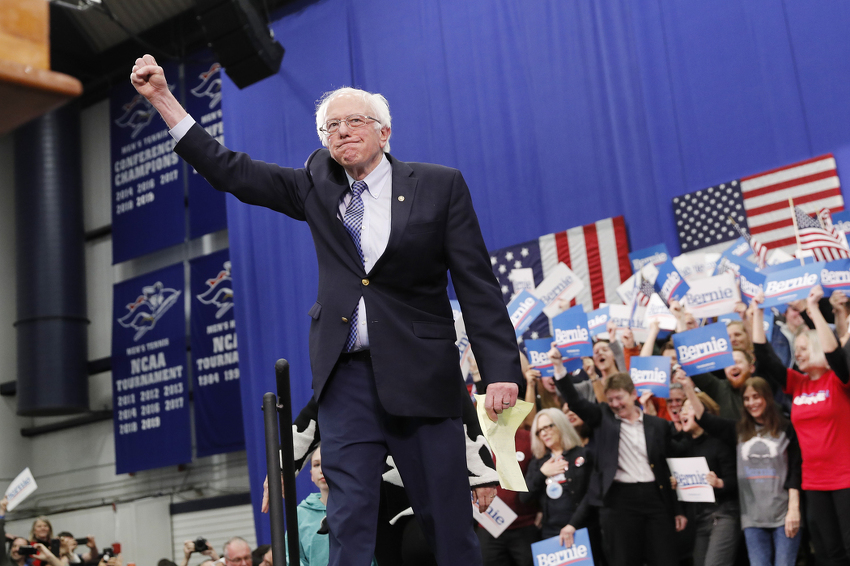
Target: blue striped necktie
353, 222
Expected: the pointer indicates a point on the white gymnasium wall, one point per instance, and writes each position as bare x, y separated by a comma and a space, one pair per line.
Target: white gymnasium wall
75, 468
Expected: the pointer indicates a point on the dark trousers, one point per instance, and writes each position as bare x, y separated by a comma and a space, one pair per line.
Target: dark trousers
828, 515
637, 528
430, 455
512, 548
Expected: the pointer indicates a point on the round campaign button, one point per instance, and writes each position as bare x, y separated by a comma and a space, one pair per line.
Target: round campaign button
554, 490
520, 456
579, 461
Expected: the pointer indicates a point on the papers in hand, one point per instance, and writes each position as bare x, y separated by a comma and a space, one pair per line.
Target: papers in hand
500, 436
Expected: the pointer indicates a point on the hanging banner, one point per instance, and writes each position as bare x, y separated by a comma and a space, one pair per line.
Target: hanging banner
651, 373
207, 206
713, 296
835, 276
705, 349
782, 287
215, 359
538, 355
572, 337
149, 374
655, 255
549, 552
148, 211
523, 309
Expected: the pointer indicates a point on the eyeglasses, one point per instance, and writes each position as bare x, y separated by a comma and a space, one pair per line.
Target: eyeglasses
245, 559
549, 426
353, 122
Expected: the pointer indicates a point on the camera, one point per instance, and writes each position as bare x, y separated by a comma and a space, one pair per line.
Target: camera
27, 550
201, 544
83, 541
107, 553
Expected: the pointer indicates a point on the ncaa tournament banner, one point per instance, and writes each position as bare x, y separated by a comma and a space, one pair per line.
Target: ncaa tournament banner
572, 337
597, 321
835, 276
215, 359
523, 309
712, 296
655, 255
651, 373
149, 373
705, 349
751, 283
148, 211
669, 282
538, 355
207, 206
549, 552
792, 284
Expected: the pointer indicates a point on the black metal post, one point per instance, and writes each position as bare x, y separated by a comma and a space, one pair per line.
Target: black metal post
275, 491
287, 454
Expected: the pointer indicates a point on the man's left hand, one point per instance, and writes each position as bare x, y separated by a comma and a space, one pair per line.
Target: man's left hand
483, 497
500, 396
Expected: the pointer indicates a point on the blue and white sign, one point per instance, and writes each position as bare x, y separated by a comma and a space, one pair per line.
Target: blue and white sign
148, 211
691, 475
572, 337
149, 375
751, 283
549, 552
597, 321
705, 349
215, 359
657, 310
669, 282
655, 255
207, 206
651, 373
791, 284
538, 355
713, 296
559, 286
841, 220
835, 276
523, 309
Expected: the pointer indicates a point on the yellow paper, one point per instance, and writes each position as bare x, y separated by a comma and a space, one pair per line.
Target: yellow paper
501, 436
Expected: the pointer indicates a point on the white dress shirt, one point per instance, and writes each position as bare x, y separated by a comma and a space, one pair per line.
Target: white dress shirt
633, 461
375, 230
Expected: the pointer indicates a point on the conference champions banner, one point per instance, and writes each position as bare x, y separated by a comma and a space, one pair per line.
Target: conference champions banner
651, 373
148, 211
705, 349
215, 359
207, 206
792, 284
549, 552
149, 384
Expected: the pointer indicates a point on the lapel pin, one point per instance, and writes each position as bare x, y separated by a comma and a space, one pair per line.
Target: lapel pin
401, 198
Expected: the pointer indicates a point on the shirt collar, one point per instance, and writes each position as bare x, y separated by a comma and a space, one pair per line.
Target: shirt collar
375, 181
639, 420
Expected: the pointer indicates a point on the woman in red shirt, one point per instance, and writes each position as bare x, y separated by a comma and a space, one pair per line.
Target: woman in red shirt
821, 416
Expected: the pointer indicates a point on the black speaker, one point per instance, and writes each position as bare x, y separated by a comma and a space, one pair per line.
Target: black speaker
242, 42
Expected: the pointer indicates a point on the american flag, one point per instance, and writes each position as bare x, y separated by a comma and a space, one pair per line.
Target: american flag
758, 248
759, 204
598, 253
825, 244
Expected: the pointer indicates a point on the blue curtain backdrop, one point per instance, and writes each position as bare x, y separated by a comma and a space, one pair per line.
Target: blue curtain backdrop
558, 112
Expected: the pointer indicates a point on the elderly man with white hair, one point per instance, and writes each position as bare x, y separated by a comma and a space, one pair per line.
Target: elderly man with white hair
382, 340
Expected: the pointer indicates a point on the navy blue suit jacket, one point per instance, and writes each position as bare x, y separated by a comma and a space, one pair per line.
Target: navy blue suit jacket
411, 331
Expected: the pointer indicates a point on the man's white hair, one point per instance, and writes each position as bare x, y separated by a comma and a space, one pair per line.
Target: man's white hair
380, 109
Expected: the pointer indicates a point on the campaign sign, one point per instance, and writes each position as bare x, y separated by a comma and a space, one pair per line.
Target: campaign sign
620, 315
149, 374
571, 334
560, 285
20, 488
669, 282
693, 266
835, 276
691, 479
215, 359
657, 310
655, 255
597, 321
549, 552
497, 518
841, 220
768, 324
538, 355
148, 212
791, 284
207, 206
705, 349
751, 283
713, 296
651, 373
523, 309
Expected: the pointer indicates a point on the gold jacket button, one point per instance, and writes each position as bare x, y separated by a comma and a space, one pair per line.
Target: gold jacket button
344, 319
401, 198
364, 281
